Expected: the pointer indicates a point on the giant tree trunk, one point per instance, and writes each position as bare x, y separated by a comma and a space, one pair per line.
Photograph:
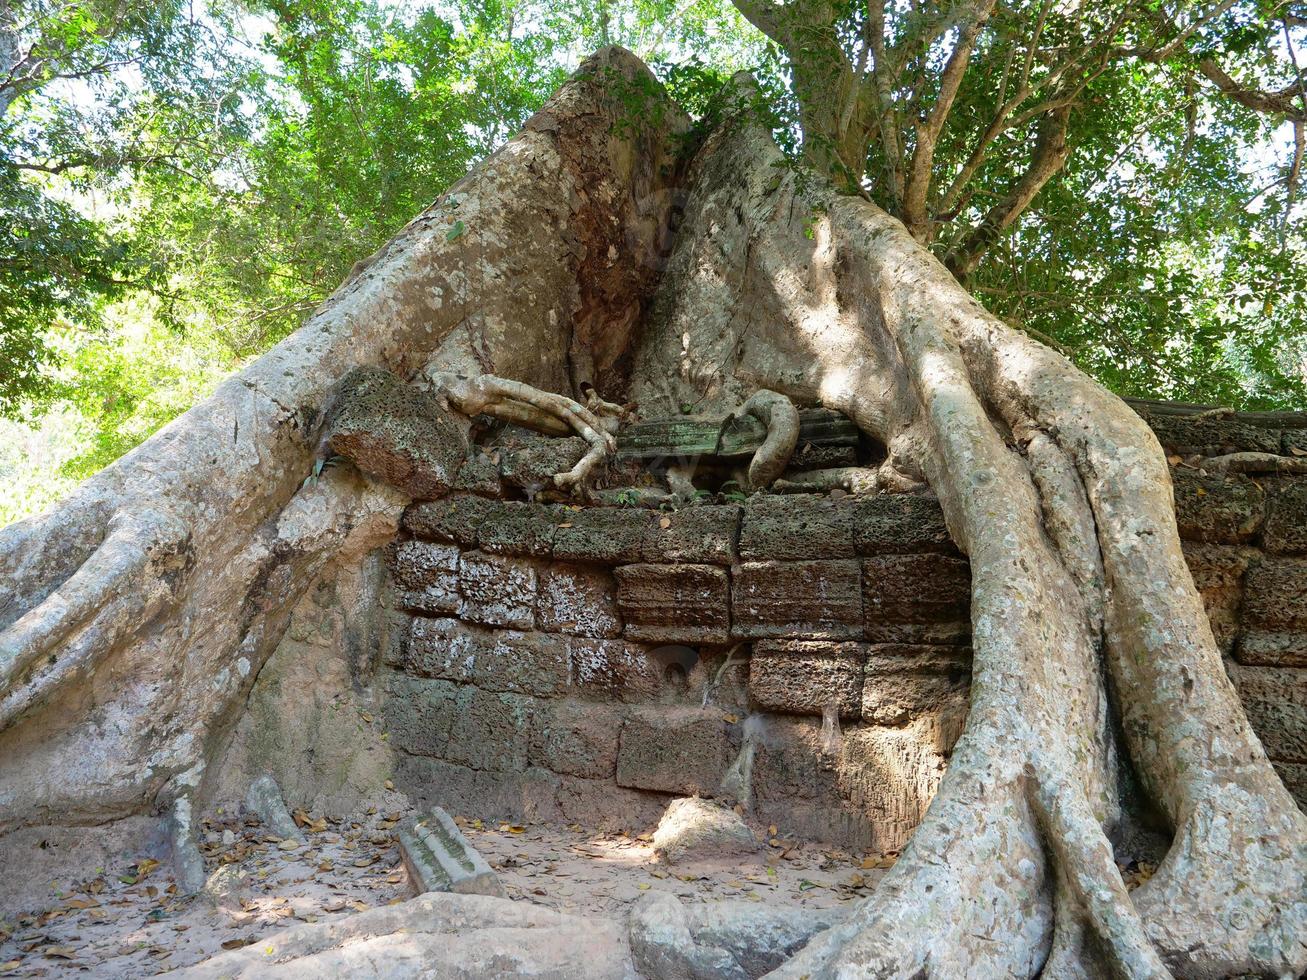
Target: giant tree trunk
140, 608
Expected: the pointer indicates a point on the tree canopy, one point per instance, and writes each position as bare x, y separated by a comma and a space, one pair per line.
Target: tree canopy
182, 183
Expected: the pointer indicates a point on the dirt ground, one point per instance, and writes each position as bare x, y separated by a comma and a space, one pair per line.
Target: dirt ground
126, 921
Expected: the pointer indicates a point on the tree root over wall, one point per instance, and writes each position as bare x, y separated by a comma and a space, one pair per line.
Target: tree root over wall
141, 609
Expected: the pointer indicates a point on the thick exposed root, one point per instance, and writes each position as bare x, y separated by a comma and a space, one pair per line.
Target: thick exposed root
780, 416
133, 573
1253, 463
543, 411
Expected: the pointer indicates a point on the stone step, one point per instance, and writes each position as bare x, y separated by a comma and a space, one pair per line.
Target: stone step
440, 859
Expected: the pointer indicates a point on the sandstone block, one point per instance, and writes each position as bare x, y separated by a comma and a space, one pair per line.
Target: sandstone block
797, 527
444, 649
891, 775
606, 535
698, 829
921, 598
901, 682
1275, 595
578, 600
675, 750
790, 764
704, 535
613, 670
1275, 699
576, 738
531, 466
1264, 648
419, 714
440, 859
674, 603
524, 663
513, 527
396, 433
1211, 436
1217, 509
479, 474
497, 591
802, 676
456, 519
1294, 776
426, 576
893, 523
1286, 522
1218, 572
809, 599
491, 734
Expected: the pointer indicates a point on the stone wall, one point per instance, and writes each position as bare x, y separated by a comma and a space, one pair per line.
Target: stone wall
587, 664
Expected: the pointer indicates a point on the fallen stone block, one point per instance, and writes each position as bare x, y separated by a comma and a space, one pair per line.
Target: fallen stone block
695, 829
264, 800
440, 859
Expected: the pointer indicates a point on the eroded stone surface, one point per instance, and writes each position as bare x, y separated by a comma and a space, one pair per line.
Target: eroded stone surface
697, 829
579, 600
818, 599
674, 603
675, 750
1212, 508
803, 676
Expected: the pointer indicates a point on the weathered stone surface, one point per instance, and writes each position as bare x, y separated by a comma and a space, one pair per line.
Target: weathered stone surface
674, 603
1211, 436
699, 829
396, 433
1275, 699
456, 519
420, 713
675, 750
796, 527
662, 945
1217, 509
802, 676
264, 800
426, 576
891, 523
479, 474
760, 937
809, 599
891, 775
902, 682
1286, 521
440, 859
434, 935
444, 649
1218, 572
704, 535
1294, 775
1264, 648
492, 733
1275, 595
497, 591
513, 527
524, 663
608, 535
577, 738
531, 466
917, 598
578, 600
613, 670
790, 764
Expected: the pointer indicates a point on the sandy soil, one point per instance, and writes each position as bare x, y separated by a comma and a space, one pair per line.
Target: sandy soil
126, 921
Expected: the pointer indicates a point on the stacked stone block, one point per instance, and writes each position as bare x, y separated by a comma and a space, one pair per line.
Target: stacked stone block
557, 662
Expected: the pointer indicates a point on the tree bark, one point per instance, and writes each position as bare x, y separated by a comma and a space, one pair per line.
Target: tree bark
141, 609
135, 615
